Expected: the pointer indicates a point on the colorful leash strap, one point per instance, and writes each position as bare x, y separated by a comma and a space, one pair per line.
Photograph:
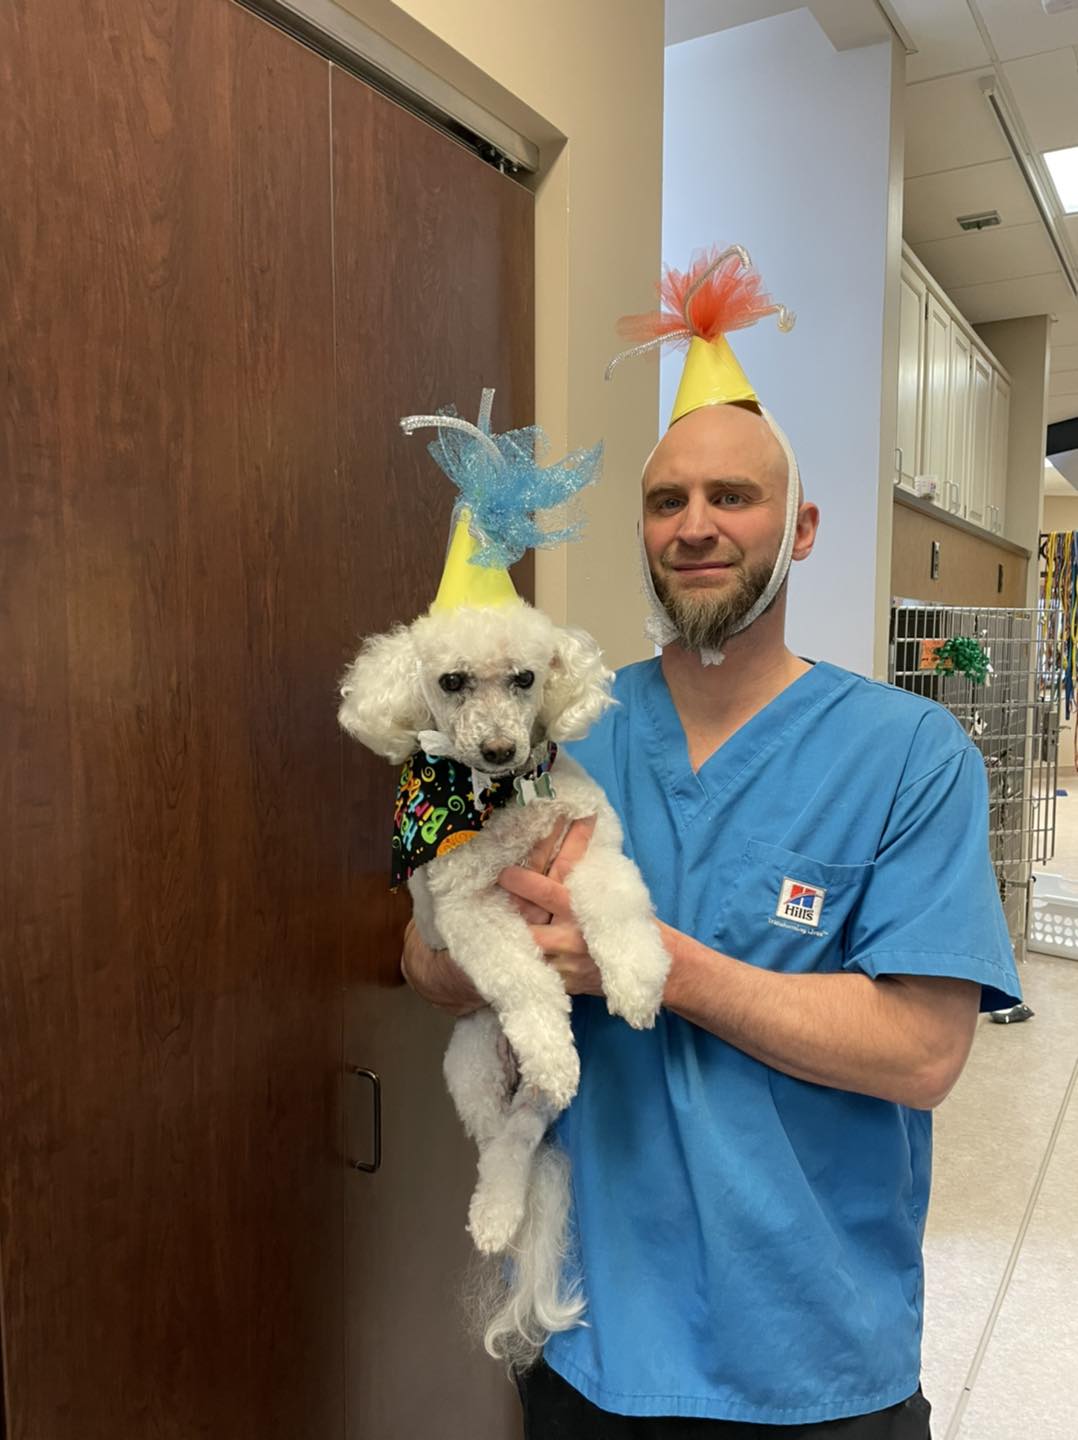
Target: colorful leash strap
1061, 588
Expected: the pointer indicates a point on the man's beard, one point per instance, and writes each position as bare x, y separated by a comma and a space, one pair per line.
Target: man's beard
705, 618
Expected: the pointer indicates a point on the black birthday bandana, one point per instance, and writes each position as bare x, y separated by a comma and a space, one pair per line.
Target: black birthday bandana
436, 807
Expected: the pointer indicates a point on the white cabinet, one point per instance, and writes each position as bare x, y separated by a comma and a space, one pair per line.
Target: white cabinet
953, 406
911, 337
980, 440
936, 399
955, 497
997, 457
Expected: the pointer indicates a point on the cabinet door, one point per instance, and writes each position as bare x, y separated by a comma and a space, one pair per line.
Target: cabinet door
980, 440
911, 330
997, 465
956, 498
935, 457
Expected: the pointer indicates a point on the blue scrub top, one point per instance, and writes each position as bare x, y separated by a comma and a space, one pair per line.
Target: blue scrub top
750, 1244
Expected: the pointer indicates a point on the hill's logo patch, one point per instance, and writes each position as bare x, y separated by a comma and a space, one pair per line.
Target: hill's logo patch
801, 903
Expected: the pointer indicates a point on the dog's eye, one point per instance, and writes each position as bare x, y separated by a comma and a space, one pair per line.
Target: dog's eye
523, 680
452, 682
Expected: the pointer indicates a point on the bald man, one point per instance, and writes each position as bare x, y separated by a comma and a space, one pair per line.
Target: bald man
751, 1177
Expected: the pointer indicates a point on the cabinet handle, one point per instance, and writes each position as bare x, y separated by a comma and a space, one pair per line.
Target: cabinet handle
898, 460
370, 1166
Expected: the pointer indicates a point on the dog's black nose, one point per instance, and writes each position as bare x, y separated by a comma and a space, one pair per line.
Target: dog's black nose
498, 754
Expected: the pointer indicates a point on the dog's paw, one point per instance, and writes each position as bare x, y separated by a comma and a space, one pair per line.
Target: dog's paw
493, 1219
634, 985
556, 1075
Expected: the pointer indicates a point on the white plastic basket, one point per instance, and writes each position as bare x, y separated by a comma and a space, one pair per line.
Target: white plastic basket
1053, 916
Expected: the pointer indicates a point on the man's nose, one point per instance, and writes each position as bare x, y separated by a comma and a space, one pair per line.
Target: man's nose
698, 522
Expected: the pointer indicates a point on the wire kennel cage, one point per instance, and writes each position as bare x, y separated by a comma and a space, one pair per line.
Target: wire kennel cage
1012, 718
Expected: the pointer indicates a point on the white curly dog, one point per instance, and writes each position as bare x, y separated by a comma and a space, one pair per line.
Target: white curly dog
489, 688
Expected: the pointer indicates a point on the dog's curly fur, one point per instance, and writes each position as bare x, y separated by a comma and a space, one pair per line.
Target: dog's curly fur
519, 681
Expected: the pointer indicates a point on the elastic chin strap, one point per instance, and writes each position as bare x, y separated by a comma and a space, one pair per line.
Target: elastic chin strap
658, 626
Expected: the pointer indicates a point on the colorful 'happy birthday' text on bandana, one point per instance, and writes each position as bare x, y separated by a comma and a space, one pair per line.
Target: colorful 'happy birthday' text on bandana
436, 807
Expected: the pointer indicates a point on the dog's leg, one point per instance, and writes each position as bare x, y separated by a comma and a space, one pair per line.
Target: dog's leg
505, 1167
613, 907
490, 942
481, 1075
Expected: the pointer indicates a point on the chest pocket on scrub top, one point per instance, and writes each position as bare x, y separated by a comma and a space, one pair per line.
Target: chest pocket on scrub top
785, 910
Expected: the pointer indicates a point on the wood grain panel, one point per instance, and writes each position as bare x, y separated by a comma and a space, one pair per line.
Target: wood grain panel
969, 566
434, 275
170, 1193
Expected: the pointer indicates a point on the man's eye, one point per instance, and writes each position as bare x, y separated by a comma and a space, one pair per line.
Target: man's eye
451, 682
730, 495
523, 680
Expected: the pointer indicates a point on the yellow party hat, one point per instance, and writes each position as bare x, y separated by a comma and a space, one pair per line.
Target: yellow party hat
463, 582
720, 292
506, 501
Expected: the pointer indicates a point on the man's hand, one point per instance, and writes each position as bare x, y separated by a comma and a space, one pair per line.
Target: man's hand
437, 978
546, 904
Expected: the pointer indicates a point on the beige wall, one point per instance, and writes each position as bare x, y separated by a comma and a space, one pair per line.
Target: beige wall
972, 571
584, 82
1060, 512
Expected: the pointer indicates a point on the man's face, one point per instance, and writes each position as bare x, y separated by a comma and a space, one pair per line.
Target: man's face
714, 515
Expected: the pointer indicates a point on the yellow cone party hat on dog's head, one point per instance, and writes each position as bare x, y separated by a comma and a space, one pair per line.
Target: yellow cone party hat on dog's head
507, 501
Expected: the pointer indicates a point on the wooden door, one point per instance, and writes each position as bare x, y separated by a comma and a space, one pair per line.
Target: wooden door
203, 507
451, 242
170, 1192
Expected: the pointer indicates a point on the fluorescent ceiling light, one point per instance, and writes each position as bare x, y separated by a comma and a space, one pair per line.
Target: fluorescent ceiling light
1063, 167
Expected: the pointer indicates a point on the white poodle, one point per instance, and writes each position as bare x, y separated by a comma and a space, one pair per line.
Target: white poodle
483, 693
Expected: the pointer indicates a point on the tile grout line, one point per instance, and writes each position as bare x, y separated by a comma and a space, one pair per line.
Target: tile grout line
953, 1429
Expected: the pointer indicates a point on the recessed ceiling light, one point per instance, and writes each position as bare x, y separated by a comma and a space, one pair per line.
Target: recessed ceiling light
984, 219
1063, 167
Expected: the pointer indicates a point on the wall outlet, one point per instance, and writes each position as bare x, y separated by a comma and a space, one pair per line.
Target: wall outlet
934, 570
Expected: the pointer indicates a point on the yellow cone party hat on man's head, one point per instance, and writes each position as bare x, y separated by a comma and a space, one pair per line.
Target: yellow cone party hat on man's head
720, 292
506, 502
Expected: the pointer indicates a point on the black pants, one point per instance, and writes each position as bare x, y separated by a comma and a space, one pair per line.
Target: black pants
553, 1410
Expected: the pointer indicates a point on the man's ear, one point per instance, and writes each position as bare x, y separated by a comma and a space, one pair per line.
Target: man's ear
577, 689
382, 702
808, 524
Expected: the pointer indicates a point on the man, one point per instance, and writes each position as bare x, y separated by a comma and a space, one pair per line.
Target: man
750, 1178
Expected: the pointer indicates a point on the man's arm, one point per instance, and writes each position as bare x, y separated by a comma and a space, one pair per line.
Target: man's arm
901, 1038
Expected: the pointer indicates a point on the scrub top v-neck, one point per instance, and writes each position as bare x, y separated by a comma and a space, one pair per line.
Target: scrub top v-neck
750, 1244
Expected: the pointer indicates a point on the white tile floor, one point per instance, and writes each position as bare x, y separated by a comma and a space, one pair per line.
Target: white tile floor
1001, 1252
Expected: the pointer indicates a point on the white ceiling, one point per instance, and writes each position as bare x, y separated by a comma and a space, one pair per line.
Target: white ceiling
957, 159
958, 162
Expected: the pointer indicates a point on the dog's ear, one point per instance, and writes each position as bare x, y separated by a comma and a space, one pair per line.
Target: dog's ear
382, 702
577, 689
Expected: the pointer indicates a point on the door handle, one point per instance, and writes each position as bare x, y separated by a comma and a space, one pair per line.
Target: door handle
370, 1166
